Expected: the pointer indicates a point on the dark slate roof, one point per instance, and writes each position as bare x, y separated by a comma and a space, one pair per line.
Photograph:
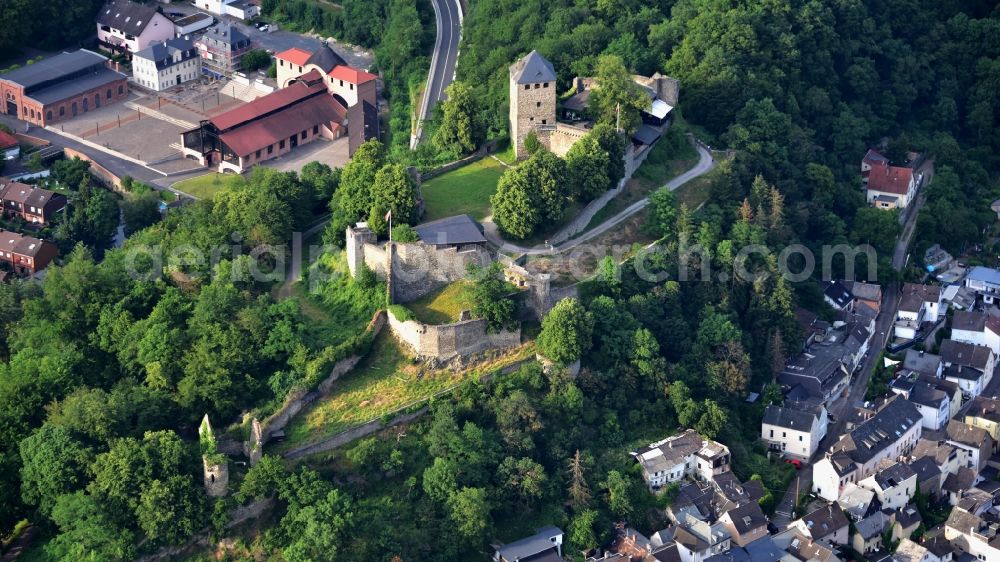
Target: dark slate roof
325, 58
838, 293
825, 521
646, 134
925, 468
893, 475
873, 525
889, 424
763, 550
459, 229
747, 517
915, 295
53, 68
985, 407
531, 69
908, 517
72, 88
791, 418
130, 17
166, 50
921, 362
958, 483
966, 434
965, 354
960, 372
226, 34
734, 554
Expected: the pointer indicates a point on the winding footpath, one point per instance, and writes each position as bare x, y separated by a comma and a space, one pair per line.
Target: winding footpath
444, 60
705, 164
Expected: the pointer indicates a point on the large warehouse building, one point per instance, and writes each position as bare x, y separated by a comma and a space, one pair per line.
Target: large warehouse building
61, 87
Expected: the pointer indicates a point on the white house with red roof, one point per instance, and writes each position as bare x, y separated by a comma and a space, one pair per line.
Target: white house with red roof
349, 84
888, 186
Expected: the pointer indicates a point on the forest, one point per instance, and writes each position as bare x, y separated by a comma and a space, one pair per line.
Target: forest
104, 376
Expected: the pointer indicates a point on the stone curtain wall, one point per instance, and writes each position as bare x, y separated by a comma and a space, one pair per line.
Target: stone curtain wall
564, 137
445, 343
418, 269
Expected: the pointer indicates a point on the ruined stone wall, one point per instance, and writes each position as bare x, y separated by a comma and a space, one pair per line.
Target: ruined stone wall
444, 343
418, 269
564, 137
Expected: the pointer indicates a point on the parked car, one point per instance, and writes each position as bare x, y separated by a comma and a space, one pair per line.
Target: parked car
795, 462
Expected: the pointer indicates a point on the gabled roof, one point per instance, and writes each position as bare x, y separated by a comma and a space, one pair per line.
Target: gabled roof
872, 526
531, 69
925, 468
130, 17
959, 482
26, 194
295, 56
864, 291
747, 517
893, 476
966, 434
166, 49
890, 179
18, 244
978, 273
838, 293
921, 362
226, 34
965, 354
975, 321
530, 546
886, 427
352, 75
325, 58
52, 68
915, 295
791, 418
7, 140
825, 521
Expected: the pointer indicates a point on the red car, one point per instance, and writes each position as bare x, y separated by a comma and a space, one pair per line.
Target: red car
795, 462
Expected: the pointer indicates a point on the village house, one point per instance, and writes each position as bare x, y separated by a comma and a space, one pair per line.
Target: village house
221, 49
543, 546
893, 485
241, 9
984, 413
865, 294
985, 281
25, 255
928, 475
683, 455
890, 433
128, 27
794, 429
888, 186
906, 522
923, 363
917, 305
34, 205
822, 371
932, 397
976, 327
837, 295
944, 455
909, 551
60, 88
826, 524
967, 365
857, 502
867, 536
957, 484
745, 523
167, 64
972, 535
698, 540
974, 444
801, 548
10, 147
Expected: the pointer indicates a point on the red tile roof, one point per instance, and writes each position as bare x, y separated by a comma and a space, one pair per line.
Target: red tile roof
890, 179
294, 56
7, 140
269, 103
351, 75
264, 122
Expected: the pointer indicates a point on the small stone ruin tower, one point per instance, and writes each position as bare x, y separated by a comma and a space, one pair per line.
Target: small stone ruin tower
254, 447
532, 100
214, 463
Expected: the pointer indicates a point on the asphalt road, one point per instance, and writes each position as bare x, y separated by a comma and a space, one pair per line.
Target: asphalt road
705, 164
444, 59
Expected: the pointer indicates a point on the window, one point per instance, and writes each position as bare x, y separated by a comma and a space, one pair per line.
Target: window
531, 118
538, 104
772, 433
341, 83
108, 94
121, 89
538, 86
800, 438
281, 63
62, 110
352, 86
784, 434
303, 136
270, 148
315, 129
281, 145
48, 115
544, 121
257, 156
527, 86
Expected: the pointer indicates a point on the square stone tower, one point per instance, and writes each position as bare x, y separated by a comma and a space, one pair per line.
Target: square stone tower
532, 99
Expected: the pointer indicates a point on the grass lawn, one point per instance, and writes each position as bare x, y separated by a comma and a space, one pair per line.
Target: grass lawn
338, 308
466, 190
204, 187
383, 382
694, 193
443, 305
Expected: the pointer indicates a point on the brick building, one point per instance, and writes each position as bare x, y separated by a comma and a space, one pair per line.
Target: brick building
33, 204
61, 87
25, 255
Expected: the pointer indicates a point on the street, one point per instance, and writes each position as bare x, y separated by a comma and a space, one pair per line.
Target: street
444, 60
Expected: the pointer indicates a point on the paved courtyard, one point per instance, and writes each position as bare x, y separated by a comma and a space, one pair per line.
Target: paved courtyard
332, 153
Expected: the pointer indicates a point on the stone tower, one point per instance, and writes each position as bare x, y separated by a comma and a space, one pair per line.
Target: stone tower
214, 463
532, 99
357, 237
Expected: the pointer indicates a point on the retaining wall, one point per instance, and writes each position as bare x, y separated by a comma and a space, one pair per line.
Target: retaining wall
96, 170
445, 343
